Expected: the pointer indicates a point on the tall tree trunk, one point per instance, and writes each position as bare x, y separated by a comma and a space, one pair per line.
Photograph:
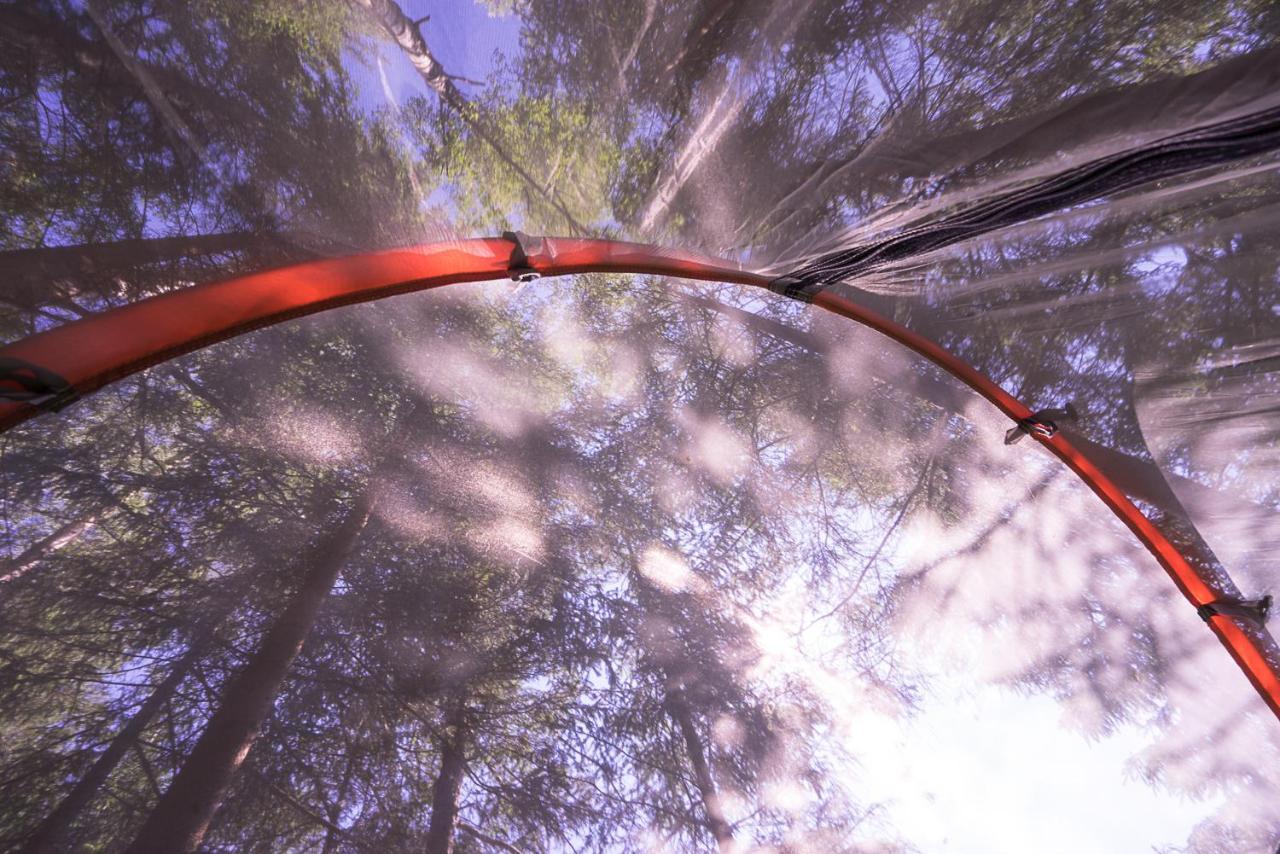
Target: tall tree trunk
693, 39
716, 821
22, 564
179, 821
54, 832
53, 262
444, 798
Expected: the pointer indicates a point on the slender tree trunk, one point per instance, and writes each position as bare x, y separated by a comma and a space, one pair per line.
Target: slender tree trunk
716, 821
678, 708
407, 34
35, 274
444, 798
179, 821
698, 32
332, 837
52, 262
54, 832
31, 557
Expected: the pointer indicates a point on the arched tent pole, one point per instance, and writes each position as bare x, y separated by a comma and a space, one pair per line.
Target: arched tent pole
56, 366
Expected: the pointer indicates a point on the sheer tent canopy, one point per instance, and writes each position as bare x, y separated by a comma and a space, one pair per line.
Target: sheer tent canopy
723, 424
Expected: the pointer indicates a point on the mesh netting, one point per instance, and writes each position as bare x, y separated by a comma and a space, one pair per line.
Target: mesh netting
637, 562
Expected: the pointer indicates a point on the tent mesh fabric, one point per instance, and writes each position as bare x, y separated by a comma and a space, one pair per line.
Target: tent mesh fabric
552, 425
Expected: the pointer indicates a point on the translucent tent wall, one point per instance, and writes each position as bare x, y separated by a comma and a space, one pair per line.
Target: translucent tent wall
723, 424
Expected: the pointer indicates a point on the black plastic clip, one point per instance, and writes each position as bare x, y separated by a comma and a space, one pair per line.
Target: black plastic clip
1043, 423
37, 386
518, 268
795, 287
1257, 610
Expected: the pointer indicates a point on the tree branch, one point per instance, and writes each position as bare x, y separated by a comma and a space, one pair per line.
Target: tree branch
486, 838
408, 35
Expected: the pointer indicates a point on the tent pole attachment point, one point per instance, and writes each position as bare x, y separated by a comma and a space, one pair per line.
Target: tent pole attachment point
26, 382
519, 268
1043, 423
1255, 610
796, 288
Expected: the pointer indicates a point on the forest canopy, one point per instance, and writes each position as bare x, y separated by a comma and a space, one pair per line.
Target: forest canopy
631, 562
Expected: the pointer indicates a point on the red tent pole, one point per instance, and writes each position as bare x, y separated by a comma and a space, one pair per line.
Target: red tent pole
97, 350
94, 351
1247, 654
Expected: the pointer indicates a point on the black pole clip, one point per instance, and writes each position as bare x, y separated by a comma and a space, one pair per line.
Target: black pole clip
1043, 423
518, 268
1255, 610
24, 382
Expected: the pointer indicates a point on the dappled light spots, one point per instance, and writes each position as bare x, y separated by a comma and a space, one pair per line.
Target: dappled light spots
712, 446
666, 569
313, 437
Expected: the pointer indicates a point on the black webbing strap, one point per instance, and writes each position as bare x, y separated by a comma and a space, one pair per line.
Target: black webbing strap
1257, 610
23, 382
1029, 426
796, 287
1041, 423
518, 267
